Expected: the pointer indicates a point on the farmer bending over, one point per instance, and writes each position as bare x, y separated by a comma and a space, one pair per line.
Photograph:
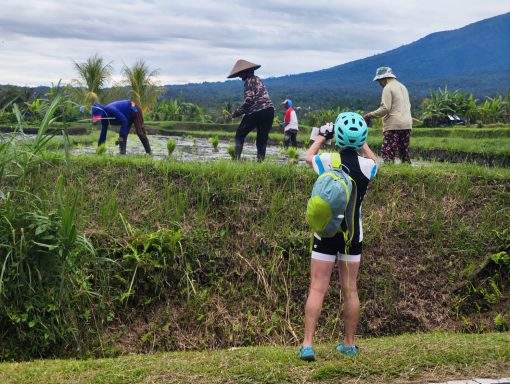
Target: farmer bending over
123, 113
350, 134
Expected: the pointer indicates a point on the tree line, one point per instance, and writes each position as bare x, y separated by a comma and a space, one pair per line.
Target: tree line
94, 82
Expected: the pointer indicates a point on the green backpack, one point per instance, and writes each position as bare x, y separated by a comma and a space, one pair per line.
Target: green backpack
332, 200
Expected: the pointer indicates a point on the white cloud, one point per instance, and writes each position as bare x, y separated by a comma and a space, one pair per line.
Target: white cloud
200, 41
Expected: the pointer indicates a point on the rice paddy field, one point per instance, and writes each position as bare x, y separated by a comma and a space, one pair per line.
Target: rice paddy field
190, 267
483, 146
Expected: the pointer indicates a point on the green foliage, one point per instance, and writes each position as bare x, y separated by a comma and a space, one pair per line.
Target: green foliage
231, 150
445, 102
144, 88
101, 149
148, 264
170, 146
179, 110
501, 323
215, 141
321, 117
44, 290
486, 285
93, 75
293, 153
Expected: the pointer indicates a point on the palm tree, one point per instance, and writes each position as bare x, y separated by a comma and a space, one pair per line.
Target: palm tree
144, 88
93, 76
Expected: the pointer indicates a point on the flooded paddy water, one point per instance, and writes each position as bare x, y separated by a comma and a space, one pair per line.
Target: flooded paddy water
200, 149
192, 149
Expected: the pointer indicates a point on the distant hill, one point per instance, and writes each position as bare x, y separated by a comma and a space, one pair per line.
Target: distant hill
474, 59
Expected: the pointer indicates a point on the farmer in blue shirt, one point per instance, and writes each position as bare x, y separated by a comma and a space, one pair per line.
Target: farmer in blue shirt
123, 113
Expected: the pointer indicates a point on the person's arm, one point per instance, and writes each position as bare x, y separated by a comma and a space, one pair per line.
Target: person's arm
314, 149
367, 152
249, 98
385, 108
104, 129
286, 119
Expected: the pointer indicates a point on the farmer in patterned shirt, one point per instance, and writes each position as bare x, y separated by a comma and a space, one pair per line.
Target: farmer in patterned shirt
258, 110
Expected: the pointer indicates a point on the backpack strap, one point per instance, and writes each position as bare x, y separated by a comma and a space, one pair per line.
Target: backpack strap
336, 163
349, 216
336, 160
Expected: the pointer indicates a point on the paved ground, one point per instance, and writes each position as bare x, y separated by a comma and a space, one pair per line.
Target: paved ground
478, 381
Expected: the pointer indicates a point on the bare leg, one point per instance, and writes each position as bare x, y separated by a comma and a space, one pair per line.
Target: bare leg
320, 273
348, 283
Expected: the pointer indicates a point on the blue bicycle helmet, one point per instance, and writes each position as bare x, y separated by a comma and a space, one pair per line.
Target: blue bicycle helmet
351, 131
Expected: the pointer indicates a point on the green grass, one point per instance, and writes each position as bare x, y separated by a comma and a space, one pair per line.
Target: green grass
462, 132
496, 146
409, 358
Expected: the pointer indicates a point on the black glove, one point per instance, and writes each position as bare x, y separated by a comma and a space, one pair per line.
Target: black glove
327, 131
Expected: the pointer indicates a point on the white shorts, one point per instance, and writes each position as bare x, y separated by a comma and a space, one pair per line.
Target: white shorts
332, 258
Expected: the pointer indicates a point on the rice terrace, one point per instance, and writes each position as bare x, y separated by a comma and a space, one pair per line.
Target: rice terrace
175, 254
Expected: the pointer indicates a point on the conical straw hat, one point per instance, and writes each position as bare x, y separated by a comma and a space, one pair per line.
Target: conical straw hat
242, 65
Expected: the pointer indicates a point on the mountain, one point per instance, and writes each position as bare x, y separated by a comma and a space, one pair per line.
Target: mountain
474, 59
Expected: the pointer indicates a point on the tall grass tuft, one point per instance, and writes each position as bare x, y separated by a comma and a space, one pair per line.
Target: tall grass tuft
215, 141
293, 154
101, 149
170, 146
231, 150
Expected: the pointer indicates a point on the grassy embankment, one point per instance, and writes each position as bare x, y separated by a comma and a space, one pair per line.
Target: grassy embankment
192, 256
418, 358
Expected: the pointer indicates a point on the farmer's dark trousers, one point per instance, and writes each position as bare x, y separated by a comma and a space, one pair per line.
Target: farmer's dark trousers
262, 122
290, 138
137, 120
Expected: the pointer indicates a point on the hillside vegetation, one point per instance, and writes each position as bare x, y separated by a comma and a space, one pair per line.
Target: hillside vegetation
193, 256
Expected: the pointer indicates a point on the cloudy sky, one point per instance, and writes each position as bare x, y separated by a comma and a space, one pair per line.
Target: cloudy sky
195, 41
